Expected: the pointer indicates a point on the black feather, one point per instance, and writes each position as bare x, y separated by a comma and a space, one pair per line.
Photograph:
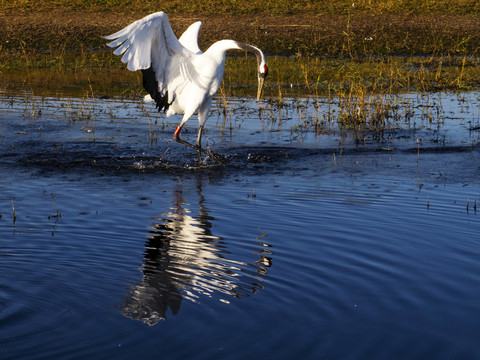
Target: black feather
150, 84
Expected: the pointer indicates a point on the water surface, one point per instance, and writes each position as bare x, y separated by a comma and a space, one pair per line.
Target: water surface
116, 243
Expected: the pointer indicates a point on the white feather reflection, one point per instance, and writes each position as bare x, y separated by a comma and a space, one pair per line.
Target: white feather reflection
183, 259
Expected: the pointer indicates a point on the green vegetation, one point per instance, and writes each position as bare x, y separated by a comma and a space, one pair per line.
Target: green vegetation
317, 76
289, 76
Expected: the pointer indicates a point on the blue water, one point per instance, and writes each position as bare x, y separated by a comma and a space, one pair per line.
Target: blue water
286, 252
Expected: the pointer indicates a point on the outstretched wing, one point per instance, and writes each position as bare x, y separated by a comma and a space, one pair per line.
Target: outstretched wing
150, 45
189, 38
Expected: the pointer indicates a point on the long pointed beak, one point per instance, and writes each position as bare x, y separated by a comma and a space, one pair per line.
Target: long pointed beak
261, 79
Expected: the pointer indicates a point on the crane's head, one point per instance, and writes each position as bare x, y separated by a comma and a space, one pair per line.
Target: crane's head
262, 64
262, 74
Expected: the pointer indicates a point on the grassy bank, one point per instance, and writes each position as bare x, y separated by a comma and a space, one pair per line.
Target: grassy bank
280, 7
338, 28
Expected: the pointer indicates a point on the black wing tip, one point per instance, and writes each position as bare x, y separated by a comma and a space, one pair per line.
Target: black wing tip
150, 84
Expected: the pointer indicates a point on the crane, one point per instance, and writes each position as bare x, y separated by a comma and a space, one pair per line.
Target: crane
179, 77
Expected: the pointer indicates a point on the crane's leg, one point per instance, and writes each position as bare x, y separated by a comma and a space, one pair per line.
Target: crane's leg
176, 136
202, 117
199, 136
218, 158
199, 143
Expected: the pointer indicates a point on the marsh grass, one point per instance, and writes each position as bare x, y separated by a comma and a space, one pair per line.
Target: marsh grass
57, 212
368, 94
352, 93
13, 212
313, 76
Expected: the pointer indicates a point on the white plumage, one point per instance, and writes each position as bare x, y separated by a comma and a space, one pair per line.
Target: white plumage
178, 76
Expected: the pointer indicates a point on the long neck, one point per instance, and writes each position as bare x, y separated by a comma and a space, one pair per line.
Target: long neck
219, 49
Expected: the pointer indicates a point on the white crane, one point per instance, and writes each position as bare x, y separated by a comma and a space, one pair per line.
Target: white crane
177, 75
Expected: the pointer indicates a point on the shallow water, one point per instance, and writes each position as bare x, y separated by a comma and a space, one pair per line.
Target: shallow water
115, 243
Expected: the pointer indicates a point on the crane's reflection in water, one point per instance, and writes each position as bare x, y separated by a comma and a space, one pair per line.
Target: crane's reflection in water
183, 259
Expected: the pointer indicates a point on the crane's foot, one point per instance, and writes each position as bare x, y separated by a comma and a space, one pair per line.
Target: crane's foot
219, 159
